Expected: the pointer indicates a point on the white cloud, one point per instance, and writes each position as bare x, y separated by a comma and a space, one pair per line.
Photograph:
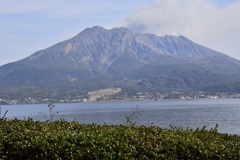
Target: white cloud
203, 21
66, 8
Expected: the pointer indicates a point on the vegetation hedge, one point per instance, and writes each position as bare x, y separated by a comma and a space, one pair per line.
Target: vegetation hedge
28, 139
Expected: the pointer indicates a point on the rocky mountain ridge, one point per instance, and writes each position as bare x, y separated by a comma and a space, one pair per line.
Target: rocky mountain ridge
98, 58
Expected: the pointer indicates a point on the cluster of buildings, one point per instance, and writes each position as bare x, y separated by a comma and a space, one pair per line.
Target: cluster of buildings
116, 95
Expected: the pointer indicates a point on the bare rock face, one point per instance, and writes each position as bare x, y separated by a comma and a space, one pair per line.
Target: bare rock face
101, 57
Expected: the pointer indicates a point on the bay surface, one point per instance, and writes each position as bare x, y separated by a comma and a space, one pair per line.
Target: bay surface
180, 113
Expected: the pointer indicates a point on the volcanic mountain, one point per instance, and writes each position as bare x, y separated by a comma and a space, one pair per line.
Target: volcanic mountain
98, 58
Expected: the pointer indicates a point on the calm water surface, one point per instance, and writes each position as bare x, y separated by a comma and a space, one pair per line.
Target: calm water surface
180, 113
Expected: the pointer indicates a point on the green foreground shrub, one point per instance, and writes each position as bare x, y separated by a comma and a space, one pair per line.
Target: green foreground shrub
70, 140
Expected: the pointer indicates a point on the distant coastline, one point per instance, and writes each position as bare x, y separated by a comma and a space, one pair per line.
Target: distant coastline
115, 94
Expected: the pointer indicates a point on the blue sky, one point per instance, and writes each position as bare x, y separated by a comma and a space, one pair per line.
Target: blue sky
27, 26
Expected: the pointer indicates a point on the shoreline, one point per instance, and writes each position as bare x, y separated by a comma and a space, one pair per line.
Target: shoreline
126, 100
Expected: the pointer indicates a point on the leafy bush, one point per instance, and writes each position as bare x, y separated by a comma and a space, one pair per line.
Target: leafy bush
70, 140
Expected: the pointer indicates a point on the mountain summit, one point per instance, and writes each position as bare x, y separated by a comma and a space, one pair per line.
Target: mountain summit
97, 58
